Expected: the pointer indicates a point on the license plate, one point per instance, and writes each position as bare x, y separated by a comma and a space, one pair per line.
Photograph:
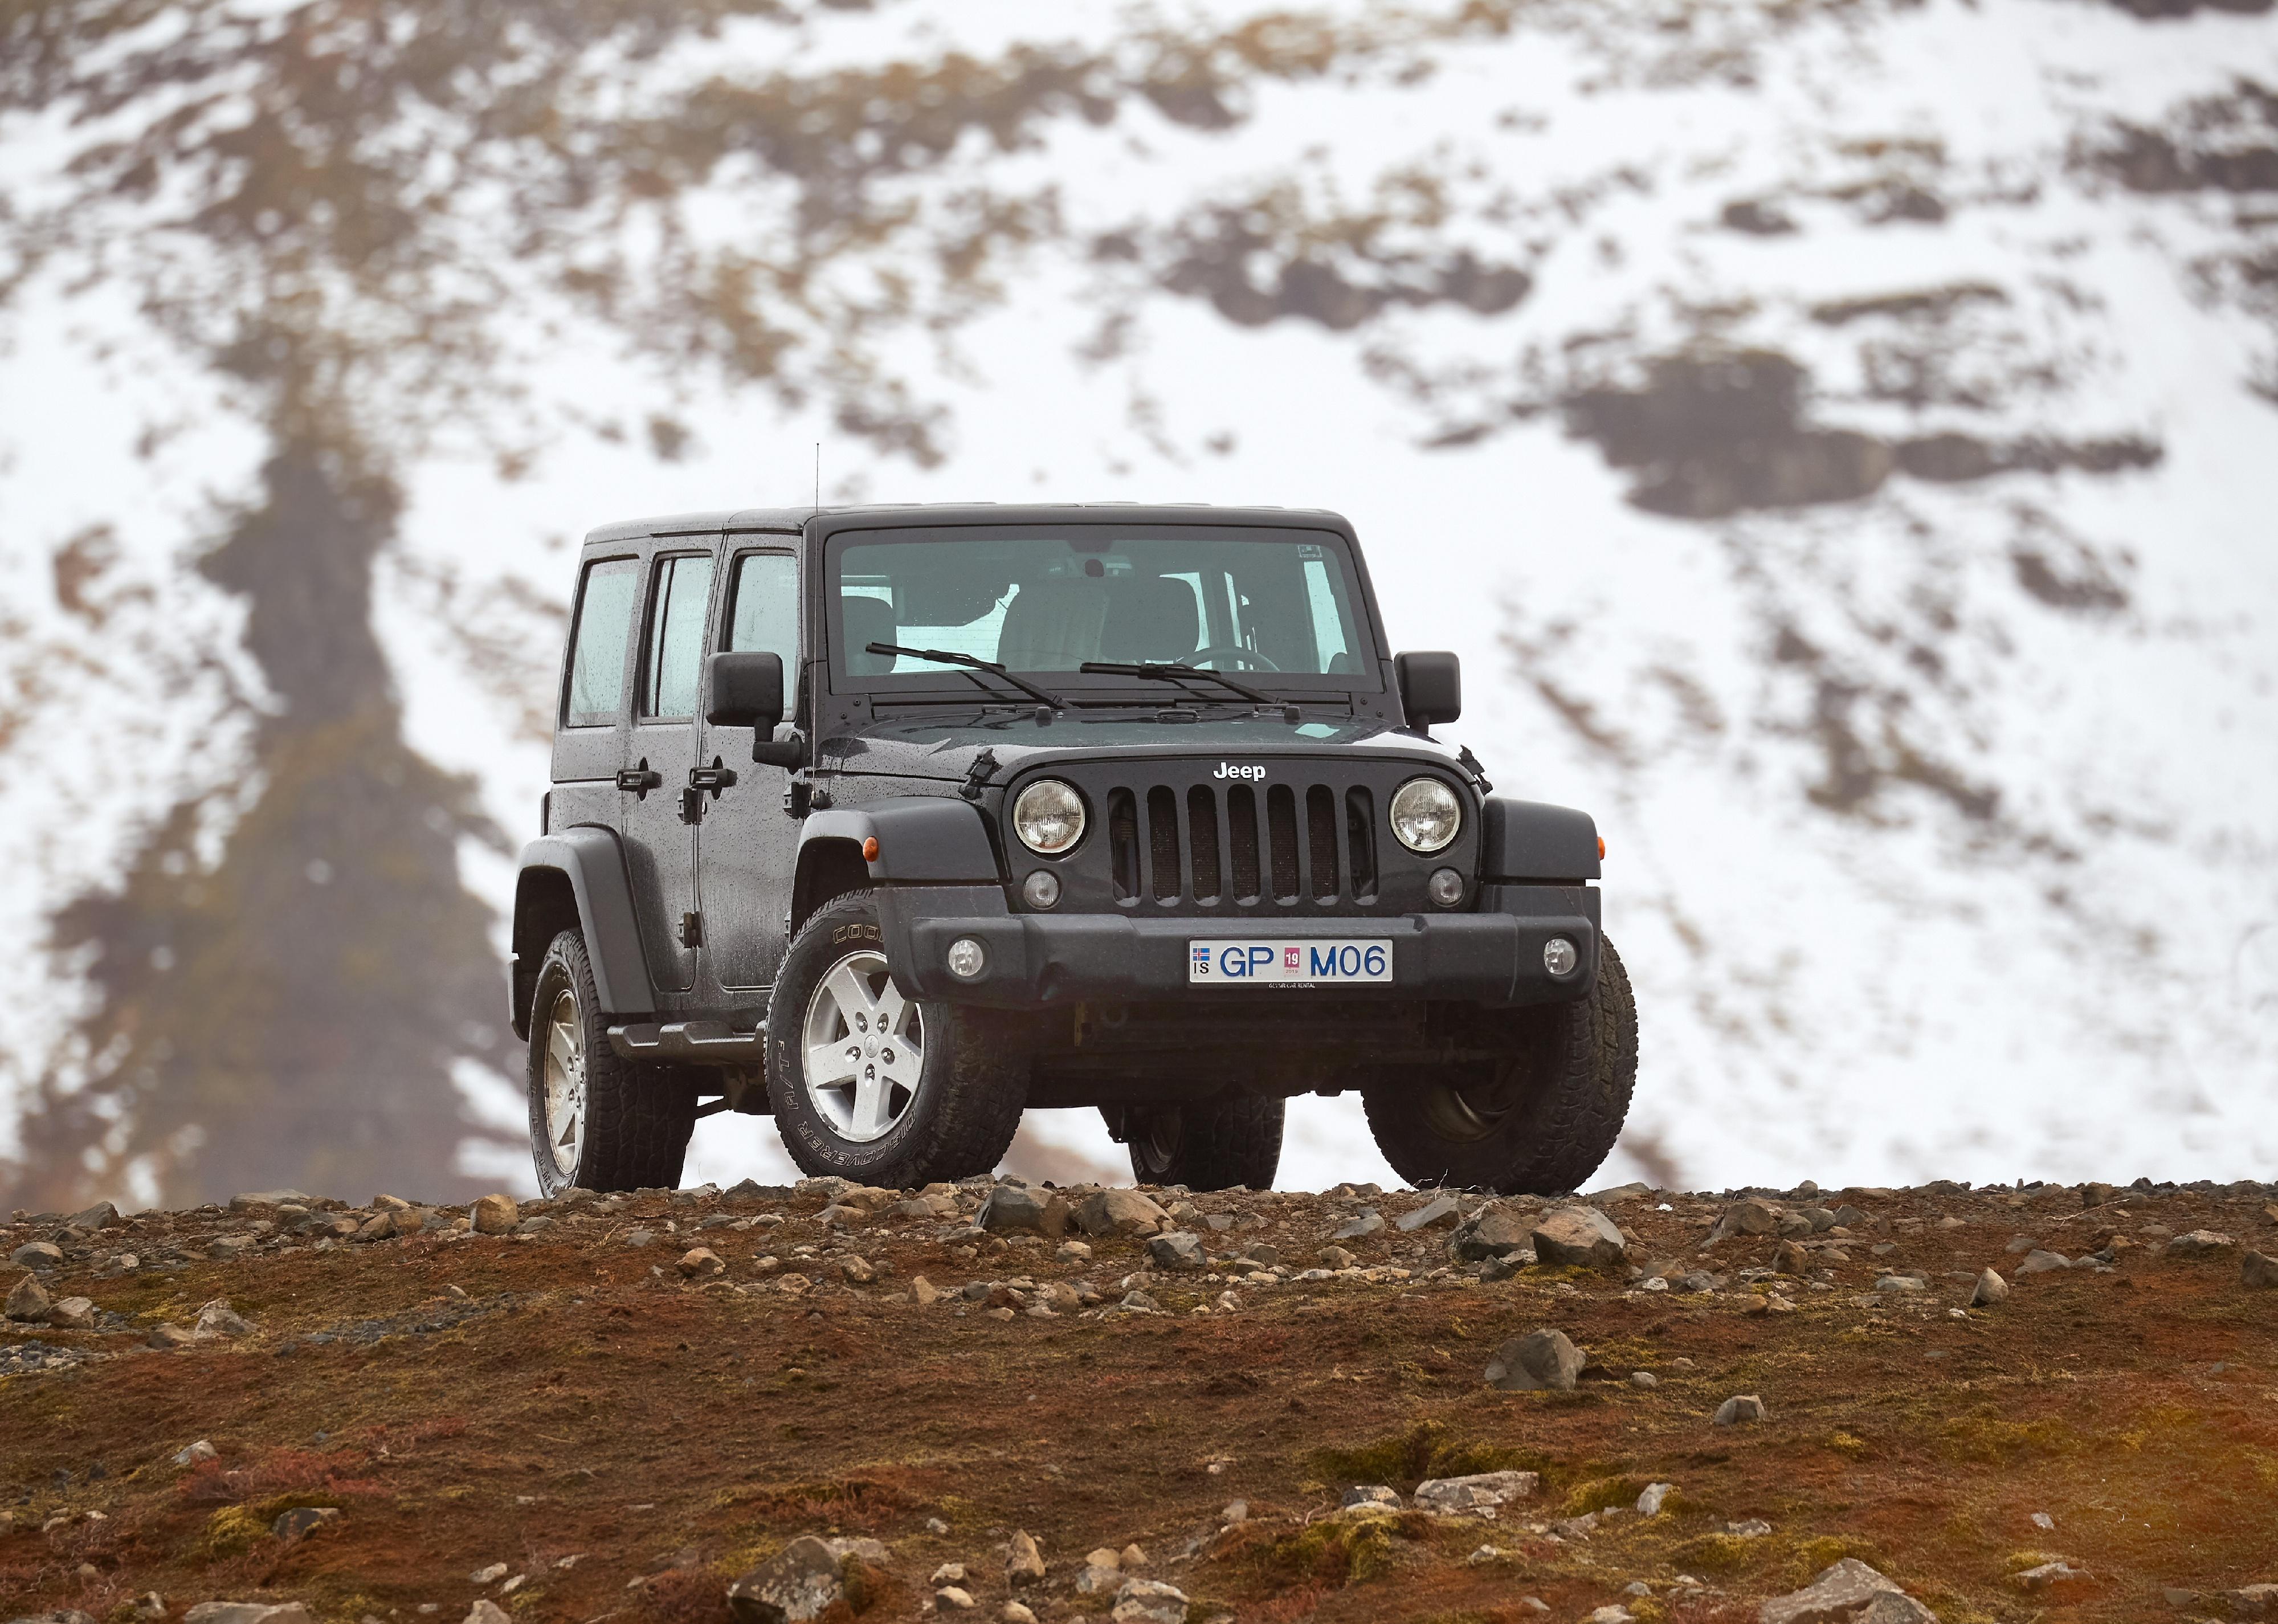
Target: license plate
1316, 962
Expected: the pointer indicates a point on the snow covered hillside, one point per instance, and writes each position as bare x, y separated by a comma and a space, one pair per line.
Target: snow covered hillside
1840, 440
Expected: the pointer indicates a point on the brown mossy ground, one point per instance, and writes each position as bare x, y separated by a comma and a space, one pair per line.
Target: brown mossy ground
581, 1404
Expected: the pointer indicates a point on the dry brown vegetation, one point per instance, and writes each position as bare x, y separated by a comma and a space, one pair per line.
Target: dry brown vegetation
582, 1400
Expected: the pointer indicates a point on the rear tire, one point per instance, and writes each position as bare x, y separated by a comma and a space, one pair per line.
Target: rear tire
1537, 1122
597, 1121
869, 1085
1208, 1145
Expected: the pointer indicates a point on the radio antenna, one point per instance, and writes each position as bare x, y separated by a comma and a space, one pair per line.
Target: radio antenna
818, 476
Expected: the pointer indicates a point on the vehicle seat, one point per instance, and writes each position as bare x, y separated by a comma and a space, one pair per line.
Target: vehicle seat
868, 621
1053, 624
1151, 617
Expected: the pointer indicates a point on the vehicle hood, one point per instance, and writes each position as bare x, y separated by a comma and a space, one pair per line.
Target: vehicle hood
944, 747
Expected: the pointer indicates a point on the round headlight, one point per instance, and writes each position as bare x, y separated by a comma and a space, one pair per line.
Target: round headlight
1049, 816
1425, 815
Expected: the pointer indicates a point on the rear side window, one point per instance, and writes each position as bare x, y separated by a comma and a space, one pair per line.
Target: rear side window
673, 662
764, 615
605, 625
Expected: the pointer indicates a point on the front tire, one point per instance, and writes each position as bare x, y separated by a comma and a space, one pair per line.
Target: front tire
1208, 1145
597, 1121
869, 1085
1538, 1121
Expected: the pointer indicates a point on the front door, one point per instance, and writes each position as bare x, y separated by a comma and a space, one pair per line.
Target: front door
659, 808
748, 844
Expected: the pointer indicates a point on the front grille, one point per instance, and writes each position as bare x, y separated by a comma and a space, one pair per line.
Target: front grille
1176, 835
1188, 863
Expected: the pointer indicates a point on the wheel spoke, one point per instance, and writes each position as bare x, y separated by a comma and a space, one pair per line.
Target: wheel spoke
893, 1010
869, 1112
828, 1064
852, 992
561, 1045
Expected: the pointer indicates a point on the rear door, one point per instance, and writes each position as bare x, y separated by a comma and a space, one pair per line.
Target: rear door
748, 844
658, 805
589, 733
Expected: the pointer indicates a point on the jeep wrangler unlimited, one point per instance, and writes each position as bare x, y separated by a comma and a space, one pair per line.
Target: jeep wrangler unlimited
894, 822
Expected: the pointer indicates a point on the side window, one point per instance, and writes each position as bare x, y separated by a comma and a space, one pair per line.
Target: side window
763, 614
604, 626
673, 663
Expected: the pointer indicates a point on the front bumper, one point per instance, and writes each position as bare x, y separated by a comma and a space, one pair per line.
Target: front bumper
1493, 955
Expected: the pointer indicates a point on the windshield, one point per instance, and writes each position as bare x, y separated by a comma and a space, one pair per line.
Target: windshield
1278, 608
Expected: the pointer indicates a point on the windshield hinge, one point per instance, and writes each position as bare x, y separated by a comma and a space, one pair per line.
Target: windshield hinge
983, 768
1471, 764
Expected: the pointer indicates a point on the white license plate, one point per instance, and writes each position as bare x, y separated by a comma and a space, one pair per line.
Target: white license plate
1316, 962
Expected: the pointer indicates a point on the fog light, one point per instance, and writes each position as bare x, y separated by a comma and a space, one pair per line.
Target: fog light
968, 958
1559, 956
1446, 886
1041, 889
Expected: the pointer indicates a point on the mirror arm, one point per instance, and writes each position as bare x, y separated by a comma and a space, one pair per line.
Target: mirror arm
768, 751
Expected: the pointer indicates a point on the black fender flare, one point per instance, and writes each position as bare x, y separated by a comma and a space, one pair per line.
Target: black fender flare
1532, 840
590, 861
922, 841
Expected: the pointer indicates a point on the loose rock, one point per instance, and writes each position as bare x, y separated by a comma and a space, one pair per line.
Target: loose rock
73, 1313
29, 1301
42, 1257
1655, 1496
247, 1613
1542, 1359
1739, 1408
2039, 1262
798, 1583
1850, 1592
1992, 1288
218, 1319
2048, 1573
1479, 1491
1119, 1212
1581, 1236
2200, 1243
494, 1214
2255, 1269
1014, 1208
1359, 1229
1024, 1564
1148, 1601
1490, 1235
1437, 1210
1177, 1250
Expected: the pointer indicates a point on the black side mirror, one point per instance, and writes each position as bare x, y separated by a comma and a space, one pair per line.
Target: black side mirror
1431, 686
745, 689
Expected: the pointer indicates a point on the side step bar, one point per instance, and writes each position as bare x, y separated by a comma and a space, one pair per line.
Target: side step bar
709, 1043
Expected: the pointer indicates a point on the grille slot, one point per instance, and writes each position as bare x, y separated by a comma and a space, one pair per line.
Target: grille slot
1281, 836
1321, 835
1123, 845
1163, 864
1202, 839
1360, 841
1241, 824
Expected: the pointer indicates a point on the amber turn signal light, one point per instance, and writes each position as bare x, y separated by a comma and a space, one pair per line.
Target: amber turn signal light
1602, 848
870, 849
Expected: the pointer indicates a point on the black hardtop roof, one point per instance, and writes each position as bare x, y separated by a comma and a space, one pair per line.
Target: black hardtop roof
797, 520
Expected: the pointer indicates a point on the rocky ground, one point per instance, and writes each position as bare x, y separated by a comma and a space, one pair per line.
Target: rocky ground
1004, 1401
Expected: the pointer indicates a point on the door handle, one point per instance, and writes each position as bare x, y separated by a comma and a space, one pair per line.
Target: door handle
715, 777
639, 779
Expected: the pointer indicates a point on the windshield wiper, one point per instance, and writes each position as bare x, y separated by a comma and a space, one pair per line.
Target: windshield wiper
1166, 670
972, 664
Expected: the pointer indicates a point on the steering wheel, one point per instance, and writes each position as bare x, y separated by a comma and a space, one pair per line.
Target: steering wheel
1249, 658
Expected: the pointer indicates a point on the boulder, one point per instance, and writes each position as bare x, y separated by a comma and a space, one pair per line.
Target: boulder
41, 1257
101, 1215
1119, 1212
1752, 1216
2200, 1243
303, 1520
1654, 1496
801, 1581
1013, 1208
1480, 1491
2255, 1269
1439, 1210
1541, 1359
494, 1214
1368, 1223
1578, 1235
1738, 1409
218, 1319
1850, 1592
2040, 1263
1490, 1235
1148, 1601
29, 1301
1175, 1251
700, 1262
248, 1613
73, 1313
1024, 1564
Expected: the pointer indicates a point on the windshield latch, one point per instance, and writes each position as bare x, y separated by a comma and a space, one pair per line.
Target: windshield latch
1470, 763
982, 769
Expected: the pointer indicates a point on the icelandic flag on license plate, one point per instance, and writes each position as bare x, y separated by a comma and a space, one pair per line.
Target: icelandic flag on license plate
1202, 959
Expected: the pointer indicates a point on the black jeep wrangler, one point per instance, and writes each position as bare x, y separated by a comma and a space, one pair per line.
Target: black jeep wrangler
895, 822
